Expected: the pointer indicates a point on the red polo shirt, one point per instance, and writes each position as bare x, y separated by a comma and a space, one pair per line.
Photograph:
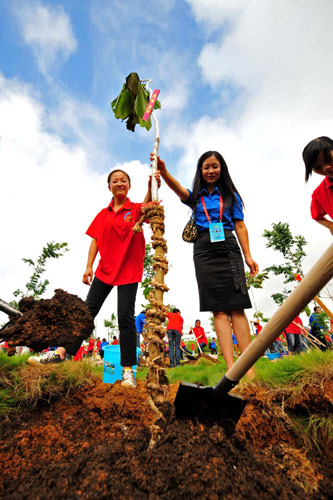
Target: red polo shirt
322, 200
121, 250
175, 322
200, 334
294, 328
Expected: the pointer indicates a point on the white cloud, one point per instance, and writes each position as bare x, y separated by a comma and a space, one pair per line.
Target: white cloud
50, 191
213, 13
279, 55
47, 30
50, 188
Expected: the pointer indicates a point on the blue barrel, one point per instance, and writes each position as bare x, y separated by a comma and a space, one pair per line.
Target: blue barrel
112, 370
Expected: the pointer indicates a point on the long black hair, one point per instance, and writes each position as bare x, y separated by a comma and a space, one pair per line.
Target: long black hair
226, 186
313, 149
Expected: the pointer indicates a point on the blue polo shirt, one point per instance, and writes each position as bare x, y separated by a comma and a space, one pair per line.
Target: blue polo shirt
212, 202
139, 322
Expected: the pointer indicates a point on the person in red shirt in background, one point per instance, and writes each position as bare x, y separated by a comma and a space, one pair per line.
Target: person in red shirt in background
184, 349
98, 345
258, 327
174, 332
115, 341
90, 348
294, 336
199, 333
193, 349
318, 158
80, 353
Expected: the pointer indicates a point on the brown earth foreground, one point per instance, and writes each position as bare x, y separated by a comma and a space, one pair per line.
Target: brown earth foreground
94, 445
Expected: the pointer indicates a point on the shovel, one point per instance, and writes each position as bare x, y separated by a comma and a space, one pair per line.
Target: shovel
215, 404
8, 309
198, 344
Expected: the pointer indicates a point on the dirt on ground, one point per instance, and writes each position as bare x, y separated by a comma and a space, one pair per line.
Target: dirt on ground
94, 444
61, 320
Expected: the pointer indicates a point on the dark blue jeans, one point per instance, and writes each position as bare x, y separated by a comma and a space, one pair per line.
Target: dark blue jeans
174, 347
295, 342
277, 346
202, 346
97, 294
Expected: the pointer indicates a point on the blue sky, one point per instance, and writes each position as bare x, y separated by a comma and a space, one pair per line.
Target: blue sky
244, 77
108, 41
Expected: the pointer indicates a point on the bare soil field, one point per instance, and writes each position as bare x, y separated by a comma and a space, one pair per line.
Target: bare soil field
94, 444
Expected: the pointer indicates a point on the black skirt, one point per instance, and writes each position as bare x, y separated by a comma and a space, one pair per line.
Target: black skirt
220, 274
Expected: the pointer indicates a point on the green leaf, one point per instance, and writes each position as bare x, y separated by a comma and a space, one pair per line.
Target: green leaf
123, 107
146, 124
157, 105
141, 102
132, 102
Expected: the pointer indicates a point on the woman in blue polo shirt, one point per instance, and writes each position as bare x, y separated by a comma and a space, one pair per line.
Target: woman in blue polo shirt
218, 211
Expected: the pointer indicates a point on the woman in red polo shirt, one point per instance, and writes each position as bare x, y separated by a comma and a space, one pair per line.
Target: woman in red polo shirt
122, 253
199, 333
174, 332
318, 158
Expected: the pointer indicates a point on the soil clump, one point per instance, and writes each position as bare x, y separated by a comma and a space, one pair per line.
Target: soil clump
61, 320
202, 355
93, 444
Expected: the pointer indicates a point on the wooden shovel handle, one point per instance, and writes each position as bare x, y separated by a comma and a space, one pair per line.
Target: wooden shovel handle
197, 341
324, 308
8, 309
313, 282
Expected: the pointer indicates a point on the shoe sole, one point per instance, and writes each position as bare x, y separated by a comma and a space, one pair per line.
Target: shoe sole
33, 362
128, 384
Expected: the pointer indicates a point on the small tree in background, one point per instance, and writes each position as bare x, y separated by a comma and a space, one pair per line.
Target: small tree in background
112, 326
255, 282
35, 287
281, 239
211, 322
292, 249
148, 272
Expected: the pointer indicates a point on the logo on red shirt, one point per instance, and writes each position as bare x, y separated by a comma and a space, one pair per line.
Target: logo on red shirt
128, 217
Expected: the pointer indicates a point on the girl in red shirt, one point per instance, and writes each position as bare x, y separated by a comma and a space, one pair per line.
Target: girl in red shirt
295, 337
174, 332
122, 254
318, 158
199, 333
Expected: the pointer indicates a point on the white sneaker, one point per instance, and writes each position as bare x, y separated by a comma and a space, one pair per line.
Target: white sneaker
47, 358
128, 379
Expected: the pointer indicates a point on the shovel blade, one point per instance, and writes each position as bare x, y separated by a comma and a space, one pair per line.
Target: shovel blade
207, 404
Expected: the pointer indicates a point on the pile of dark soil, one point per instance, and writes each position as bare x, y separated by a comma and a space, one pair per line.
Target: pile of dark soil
205, 356
94, 445
61, 320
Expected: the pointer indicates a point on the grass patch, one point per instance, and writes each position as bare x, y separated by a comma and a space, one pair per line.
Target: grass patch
296, 371
23, 385
315, 430
203, 372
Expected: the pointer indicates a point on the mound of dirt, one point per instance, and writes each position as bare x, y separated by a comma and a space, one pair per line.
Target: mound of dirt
61, 320
94, 445
205, 356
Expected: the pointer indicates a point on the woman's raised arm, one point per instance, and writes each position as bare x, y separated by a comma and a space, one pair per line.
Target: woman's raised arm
171, 181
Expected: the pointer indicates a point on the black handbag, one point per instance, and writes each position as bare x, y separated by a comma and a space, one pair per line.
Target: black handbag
190, 232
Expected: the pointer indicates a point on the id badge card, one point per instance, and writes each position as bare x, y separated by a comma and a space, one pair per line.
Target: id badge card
216, 232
